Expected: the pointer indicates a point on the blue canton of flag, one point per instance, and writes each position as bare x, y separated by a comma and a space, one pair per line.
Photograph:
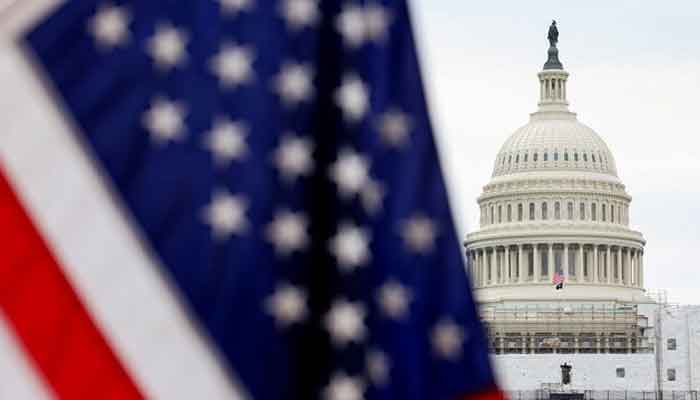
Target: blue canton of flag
278, 158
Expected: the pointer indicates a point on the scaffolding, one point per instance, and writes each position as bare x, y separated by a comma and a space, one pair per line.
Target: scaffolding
610, 328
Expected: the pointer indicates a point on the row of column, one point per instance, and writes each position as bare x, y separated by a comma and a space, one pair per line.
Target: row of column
537, 262
553, 89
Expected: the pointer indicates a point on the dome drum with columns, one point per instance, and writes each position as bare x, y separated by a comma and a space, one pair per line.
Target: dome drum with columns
555, 204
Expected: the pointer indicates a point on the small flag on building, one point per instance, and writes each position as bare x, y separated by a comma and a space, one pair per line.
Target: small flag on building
558, 280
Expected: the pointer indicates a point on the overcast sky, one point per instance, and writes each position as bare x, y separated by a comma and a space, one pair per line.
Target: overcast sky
635, 79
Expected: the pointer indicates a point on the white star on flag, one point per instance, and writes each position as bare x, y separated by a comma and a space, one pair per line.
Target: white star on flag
393, 299
350, 246
164, 119
300, 13
287, 305
351, 25
294, 83
233, 65
233, 7
350, 172
345, 322
167, 46
377, 20
287, 232
344, 387
293, 157
377, 364
418, 234
394, 127
372, 195
226, 140
226, 214
358, 24
110, 26
352, 97
447, 338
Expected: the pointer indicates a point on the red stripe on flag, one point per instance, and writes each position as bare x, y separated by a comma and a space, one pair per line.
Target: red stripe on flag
488, 394
49, 318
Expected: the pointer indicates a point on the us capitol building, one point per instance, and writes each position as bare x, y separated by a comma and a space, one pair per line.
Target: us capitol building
555, 205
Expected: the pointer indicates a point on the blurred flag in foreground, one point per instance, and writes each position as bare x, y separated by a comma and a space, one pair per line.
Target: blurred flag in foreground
227, 199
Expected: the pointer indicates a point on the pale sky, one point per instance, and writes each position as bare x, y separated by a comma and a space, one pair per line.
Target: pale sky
635, 79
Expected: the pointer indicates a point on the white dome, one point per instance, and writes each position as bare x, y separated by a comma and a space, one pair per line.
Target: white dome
554, 141
555, 204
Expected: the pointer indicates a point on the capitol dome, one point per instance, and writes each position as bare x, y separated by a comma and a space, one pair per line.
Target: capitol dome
555, 207
554, 141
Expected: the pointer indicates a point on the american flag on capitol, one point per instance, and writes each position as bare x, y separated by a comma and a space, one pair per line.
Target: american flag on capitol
226, 199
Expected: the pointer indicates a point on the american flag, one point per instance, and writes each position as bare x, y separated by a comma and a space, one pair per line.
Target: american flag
229, 199
558, 280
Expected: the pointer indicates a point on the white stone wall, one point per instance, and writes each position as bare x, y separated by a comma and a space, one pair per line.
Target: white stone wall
682, 324
694, 347
589, 371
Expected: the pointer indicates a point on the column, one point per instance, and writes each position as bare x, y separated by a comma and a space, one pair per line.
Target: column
477, 263
550, 262
641, 268
628, 272
508, 276
541, 90
536, 261
579, 271
480, 263
472, 271
521, 270
608, 263
637, 268
494, 276
566, 262
619, 265
595, 263
563, 91
561, 87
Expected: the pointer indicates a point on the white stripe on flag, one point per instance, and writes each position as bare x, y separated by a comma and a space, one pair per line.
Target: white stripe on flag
18, 380
115, 276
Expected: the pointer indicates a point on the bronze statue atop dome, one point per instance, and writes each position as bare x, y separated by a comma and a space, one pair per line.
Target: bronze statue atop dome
553, 53
553, 34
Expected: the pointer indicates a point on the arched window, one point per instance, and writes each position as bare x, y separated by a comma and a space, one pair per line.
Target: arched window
594, 214
603, 212
500, 209
582, 211
557, 210
525, 158
612, 213
492, 215
520, 212
534, 157
570, 210
510, 158
556, 156
510, 213
593, 157
532, 211
517, 158
544, 210
585, 157
575, 156
566, 156
545, 157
